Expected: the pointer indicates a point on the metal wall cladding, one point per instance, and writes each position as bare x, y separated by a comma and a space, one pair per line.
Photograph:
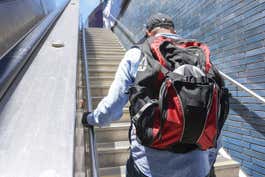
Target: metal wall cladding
235, 32
17, 17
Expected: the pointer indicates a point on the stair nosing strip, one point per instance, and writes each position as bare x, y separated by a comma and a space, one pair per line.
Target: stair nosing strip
114, 125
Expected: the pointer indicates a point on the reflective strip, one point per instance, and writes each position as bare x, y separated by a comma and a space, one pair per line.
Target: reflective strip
141, 111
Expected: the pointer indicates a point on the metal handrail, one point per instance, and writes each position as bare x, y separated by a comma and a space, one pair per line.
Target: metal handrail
126, 31
260, 98
91, 133
128, 34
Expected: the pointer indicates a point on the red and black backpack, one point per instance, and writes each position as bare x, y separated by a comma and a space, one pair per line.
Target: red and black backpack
178, 101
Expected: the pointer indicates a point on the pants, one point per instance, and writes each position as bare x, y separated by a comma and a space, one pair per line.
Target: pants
212, 172
133, 171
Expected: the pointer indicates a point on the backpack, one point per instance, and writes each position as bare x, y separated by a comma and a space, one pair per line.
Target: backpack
178, 101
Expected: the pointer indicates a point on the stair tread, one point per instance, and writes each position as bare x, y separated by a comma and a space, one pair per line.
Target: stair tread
125, 108
106, 56
107, 50
121, 125
222, 163
104, 59
117, 46
113, 171
99, 86
113, 146
100, 63
101, 77
102, 70
105, 43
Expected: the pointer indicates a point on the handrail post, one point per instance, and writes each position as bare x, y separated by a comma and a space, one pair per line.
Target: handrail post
92, 143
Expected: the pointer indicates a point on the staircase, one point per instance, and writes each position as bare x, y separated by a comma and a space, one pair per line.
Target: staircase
104, 54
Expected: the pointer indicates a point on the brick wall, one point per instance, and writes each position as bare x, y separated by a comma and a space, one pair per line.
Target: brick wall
235, 33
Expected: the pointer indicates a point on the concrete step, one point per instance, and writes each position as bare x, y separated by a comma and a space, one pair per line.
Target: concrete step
93, 46
106, 57
97, 99
117, 131
104, 60
119, 171
107, 47
112, 154
105, 51
226, 167
109, 56
103, 34
101, 80
99, 91
80, 174
105, 66
101, 70
102, 73
113, 146
103, 42
95, 29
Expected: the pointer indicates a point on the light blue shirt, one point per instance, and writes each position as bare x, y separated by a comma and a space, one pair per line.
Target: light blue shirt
151, 162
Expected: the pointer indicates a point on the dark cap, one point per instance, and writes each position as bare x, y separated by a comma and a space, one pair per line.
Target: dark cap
159, 20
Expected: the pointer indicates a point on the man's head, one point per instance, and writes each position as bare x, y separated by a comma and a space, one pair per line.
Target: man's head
159, 23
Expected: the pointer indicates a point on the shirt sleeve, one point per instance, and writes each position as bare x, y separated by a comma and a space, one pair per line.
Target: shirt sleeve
110, 107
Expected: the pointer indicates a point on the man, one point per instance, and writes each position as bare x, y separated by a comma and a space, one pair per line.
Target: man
145, 161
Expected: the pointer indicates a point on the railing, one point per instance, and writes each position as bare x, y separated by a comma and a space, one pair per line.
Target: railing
125, 30
242, 87
92, 143
129, 35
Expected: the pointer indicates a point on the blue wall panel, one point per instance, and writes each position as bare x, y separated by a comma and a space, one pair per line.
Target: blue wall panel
235, 33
